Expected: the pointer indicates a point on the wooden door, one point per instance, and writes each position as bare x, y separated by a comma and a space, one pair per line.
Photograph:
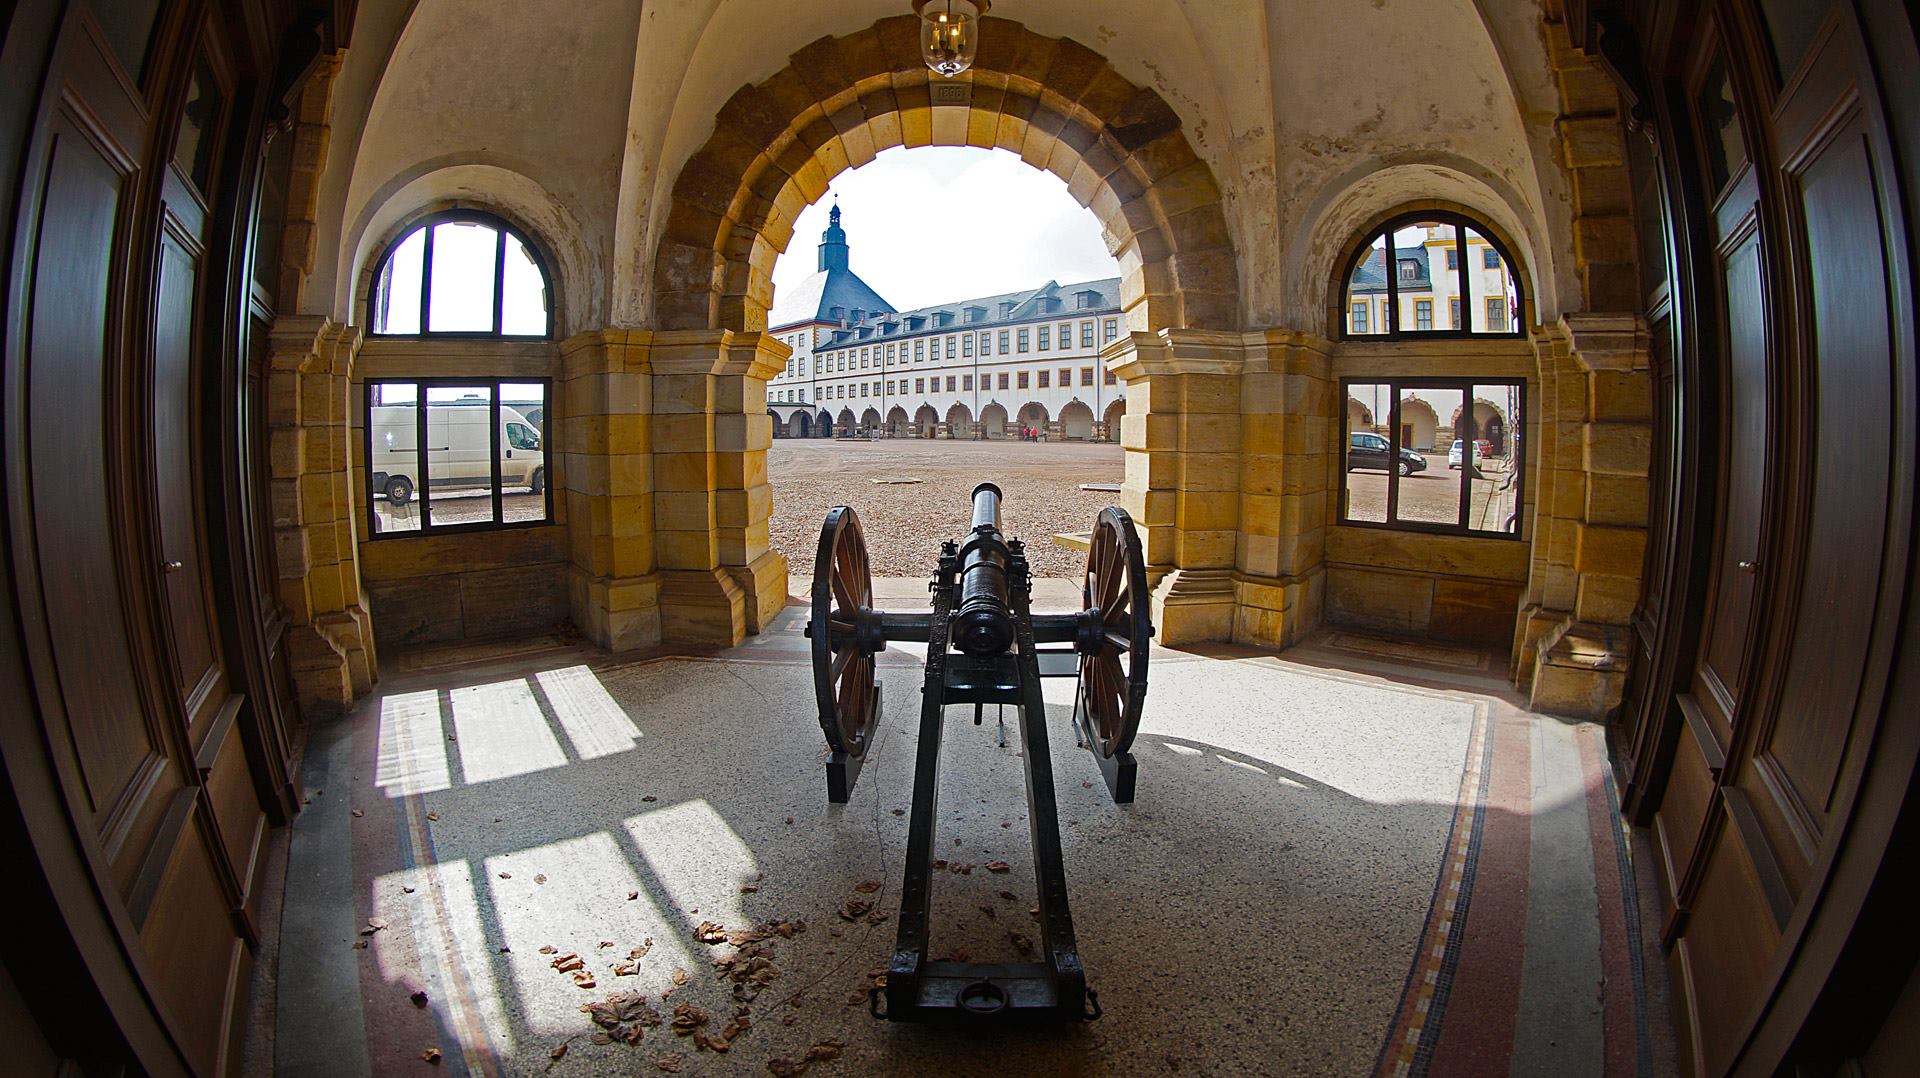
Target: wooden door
118, 283
1799, 584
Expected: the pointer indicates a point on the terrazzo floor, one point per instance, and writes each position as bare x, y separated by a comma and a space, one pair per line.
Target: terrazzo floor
1350, 858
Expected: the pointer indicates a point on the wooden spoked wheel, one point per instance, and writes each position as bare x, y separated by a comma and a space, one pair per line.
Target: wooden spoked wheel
842, 667
1113, 677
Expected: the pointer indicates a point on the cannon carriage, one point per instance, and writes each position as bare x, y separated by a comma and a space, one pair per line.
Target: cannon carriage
985, 646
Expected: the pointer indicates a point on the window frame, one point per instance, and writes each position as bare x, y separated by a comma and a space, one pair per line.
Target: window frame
1395, 386
1392, 330
462, 216
424, 486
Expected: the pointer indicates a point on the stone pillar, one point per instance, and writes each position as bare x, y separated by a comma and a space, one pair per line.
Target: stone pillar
719, 577
311, 477
1181, 434
605, 443
1573, 642
1287, 438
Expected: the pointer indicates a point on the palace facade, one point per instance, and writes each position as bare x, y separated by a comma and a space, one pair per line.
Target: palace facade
977, 368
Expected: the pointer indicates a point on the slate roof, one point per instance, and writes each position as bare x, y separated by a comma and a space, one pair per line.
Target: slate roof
1028, 306
813, 298
1370, 274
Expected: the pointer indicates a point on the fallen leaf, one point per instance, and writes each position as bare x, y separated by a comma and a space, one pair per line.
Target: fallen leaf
357, 814
632, 895
633, 1034
899, 812
549, 949
855, 909
584, 980
359, 945
939, 863
670, 1064
625, 969
649, 798
1021, 943
1008, 895
434, 816
747, 889
679, 976
998, 866
825, 1051
406, 890
506, 875
374, 924
789, 819
989, 911
431, 1055
419, 999
867, 887
782, 1067
708, 932
539, 877
568, 962
559, 1050
604, 944
855, 999
601, 1036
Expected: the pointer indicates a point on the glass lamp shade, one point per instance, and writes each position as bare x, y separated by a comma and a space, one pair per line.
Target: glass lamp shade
949, 33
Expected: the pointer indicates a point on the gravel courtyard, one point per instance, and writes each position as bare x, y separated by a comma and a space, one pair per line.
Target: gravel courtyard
905, 523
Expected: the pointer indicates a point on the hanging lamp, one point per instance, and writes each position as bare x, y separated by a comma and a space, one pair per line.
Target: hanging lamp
949, 33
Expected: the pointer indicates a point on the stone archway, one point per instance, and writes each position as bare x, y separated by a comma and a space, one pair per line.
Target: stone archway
1359, 416
841, 100
779, 428
1111, 420
1076, 422
925, 420
800, 426
823, 424
1489, 422
993, 420
1419, 424
844, 424
870, 420
959, 422
1033, 415
897, 425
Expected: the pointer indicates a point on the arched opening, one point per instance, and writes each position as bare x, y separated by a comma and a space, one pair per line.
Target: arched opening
779, 428
823, 424
1076, 422
1033, 417
993, 420
1359, 416
1489, 425
959, 422
1116, 411
800, 426
897, 423
925, 420
870, 421
1418, 424
843, 425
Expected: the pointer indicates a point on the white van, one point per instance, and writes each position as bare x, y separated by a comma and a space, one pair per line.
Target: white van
459, 449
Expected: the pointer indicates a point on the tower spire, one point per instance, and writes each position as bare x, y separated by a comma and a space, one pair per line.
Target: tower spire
833, 242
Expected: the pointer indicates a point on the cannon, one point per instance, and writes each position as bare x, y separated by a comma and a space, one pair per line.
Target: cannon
985, 646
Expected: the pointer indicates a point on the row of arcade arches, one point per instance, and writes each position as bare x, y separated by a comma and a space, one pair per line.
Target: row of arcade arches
1420, 424
1075, 423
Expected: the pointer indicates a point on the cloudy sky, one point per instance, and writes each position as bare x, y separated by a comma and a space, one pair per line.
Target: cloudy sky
937, 223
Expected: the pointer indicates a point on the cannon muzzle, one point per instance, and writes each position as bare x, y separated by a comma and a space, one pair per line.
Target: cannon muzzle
984, 623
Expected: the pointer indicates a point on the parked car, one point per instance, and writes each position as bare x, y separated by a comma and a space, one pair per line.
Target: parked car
1370, 451
1482, 449
459, 450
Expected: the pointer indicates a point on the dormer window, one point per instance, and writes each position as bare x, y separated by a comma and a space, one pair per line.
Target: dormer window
1409, 270
976, 314
1087, 299
1006, 308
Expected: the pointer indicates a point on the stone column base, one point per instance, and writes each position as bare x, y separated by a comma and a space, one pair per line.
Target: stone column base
764, 584
1193, 605
1533, 625
1276, 612
332, 660
616, 613
703, 607
1581, 671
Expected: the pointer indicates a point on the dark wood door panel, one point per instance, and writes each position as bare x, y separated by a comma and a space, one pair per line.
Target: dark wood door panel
193, 949
1684, 807
68, 376
1851, 464
1728, 943
1727, 636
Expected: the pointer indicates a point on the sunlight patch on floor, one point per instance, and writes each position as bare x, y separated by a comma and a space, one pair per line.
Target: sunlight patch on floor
502, 732
412, 756
592, 721
698, 858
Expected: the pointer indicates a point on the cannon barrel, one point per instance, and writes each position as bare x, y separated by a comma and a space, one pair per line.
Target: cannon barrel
983, 624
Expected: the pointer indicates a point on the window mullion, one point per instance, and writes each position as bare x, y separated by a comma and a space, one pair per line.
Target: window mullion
1466, 297
1393, 453
423, 459
426, 283
1393, 286
493, 438
1469, 454
499, 281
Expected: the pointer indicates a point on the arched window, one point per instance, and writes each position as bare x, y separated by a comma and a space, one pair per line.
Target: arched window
1450, 279
461, 274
